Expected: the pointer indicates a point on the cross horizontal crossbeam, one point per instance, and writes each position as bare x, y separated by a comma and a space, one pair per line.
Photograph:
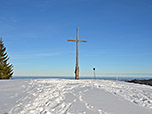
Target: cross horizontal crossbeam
78, 40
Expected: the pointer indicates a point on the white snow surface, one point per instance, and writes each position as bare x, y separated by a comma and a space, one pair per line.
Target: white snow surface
65, 96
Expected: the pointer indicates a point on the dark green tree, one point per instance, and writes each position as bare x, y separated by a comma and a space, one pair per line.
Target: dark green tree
6, 69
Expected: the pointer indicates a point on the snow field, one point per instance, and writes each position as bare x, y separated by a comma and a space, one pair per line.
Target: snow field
136, 93
63, 96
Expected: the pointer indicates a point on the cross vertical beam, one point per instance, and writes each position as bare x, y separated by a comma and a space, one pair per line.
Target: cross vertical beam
77, 56
77, 53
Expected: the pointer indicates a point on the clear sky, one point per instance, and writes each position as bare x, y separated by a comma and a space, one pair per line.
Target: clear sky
119, 35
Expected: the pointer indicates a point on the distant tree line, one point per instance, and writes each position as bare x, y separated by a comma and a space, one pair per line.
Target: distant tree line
6, 69
144, 81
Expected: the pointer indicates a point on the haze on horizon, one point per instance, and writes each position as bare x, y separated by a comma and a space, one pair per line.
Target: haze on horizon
119, 36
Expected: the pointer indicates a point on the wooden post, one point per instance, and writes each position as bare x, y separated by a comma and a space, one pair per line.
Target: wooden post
77, 56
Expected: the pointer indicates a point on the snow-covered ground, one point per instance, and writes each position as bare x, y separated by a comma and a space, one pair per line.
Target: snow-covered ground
63, 96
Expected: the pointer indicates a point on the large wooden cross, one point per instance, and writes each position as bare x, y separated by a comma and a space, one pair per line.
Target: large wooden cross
77, 53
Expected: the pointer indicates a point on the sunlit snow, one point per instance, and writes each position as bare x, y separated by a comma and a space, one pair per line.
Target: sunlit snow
65, 96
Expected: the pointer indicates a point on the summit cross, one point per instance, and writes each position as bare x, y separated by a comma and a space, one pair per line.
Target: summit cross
77, 53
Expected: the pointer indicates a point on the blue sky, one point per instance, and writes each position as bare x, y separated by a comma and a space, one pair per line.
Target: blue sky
119, 35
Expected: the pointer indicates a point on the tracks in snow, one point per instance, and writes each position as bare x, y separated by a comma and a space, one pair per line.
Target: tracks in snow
58, 96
